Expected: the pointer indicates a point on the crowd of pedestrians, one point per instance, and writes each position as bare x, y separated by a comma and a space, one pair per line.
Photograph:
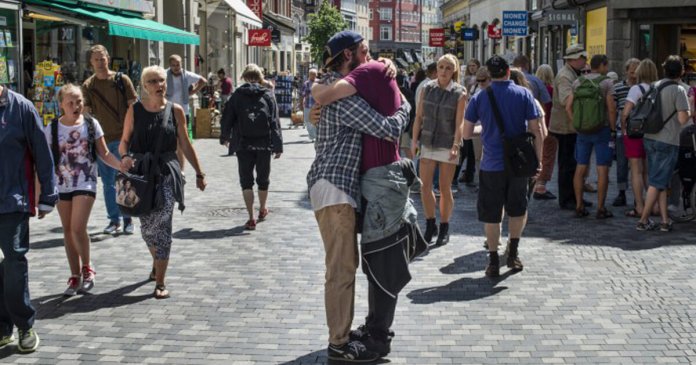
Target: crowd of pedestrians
364, 118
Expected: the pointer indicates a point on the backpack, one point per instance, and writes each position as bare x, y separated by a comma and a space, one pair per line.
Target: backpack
255, 117
55, 147
646, 117
589, 107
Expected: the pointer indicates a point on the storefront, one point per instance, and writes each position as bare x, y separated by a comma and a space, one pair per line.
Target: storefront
11, 67
57, 36
280, 57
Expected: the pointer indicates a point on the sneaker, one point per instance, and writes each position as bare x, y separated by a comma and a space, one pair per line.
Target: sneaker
353, 351
647, 226
73, 286
87, 278
380, 347
28, 341
112, 228
359, 334
619, 201
455, 188
437, 192
250, 225
666, 227
128, 228
263, 214
6, 340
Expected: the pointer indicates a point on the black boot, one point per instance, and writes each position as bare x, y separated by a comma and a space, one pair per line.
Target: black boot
493, 268
443, 236
430, 230
513, 259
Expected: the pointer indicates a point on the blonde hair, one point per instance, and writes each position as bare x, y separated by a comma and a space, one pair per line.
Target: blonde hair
451, 59
68, 89
545, 74
518, 77
647, 71
253, 73
150, 70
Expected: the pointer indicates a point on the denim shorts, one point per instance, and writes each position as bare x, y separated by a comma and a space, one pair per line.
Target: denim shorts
600, 142
662, 159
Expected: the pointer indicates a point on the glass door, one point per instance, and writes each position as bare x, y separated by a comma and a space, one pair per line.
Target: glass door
10, 61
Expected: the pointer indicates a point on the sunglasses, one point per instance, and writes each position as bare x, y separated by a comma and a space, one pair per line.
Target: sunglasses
585, 71
479, 80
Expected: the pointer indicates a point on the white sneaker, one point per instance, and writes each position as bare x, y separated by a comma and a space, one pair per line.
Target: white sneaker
87, 278
73, 286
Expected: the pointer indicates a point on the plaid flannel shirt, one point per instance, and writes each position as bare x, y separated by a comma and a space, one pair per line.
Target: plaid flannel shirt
339, 139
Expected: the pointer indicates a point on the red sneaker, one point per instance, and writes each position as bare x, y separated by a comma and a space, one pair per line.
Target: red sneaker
250, 225
263, 214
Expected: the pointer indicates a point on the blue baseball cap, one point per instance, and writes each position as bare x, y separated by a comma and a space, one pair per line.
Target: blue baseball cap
338, 42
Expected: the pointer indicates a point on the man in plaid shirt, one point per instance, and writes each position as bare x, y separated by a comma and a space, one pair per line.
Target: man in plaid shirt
333, 182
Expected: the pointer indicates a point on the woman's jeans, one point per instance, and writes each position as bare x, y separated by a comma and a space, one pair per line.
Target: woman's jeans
108, 177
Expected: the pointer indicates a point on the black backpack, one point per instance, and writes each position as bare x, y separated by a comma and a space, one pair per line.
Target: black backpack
255, 117
646, 117
55, 148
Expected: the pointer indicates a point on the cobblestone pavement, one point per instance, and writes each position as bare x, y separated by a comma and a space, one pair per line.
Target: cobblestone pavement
592, 292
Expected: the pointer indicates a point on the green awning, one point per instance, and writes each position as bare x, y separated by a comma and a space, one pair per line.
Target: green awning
126, 26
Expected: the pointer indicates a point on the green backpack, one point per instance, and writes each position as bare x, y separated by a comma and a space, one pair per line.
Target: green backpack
589, 107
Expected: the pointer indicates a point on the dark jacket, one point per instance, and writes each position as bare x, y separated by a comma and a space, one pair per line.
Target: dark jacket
23, 147
234, 108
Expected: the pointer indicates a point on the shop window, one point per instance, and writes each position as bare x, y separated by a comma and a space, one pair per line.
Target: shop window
10, 66
58, 44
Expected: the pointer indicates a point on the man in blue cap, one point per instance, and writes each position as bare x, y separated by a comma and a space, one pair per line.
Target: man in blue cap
333, 182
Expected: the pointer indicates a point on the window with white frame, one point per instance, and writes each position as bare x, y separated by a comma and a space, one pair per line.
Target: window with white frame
385, 14
385, 32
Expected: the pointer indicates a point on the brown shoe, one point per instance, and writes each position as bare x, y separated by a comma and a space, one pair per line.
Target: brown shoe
493, 271
514, 263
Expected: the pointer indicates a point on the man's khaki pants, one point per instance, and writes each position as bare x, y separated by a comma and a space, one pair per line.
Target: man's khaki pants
337, 228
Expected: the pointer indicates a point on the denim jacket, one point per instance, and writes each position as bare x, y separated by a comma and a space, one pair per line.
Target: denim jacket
386, 190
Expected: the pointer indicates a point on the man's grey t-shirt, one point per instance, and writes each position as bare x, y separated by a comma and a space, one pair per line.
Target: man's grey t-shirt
673, 98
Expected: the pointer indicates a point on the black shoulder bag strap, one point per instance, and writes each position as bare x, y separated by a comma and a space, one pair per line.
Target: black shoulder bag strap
496, 111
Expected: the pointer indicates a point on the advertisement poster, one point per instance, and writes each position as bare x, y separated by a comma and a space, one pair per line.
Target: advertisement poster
596, 33
46, 83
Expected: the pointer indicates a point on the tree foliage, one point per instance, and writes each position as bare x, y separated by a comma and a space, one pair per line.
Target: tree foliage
326, 22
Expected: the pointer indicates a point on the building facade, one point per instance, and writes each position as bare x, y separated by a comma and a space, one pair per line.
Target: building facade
396, 31
431, 17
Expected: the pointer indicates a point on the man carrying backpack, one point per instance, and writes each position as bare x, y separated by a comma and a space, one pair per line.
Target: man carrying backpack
107, 95
587, 107
661, 139
251, 115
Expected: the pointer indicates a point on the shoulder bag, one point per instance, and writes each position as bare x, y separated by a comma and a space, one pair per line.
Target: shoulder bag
138, 194
519, 153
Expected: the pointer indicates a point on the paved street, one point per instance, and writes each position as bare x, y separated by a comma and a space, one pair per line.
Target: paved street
592, 292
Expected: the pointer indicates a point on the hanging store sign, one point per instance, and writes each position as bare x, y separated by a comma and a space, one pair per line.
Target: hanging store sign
470, 34
260, 37
515, 23
256, 7
562, 17
494, 32
437, 37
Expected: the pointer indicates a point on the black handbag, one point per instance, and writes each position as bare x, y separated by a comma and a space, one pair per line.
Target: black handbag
139, 191
519, 153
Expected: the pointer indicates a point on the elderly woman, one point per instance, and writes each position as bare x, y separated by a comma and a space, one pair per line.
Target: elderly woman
143, 125
438, 128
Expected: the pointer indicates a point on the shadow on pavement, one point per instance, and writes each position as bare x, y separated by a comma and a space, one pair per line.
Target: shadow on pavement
460, 290
319, 357
466, 264
58, 305
191, 234
45, 244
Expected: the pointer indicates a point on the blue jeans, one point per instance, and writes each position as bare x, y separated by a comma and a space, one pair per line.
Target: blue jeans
15, 304
108, 177
311, 129
621, 165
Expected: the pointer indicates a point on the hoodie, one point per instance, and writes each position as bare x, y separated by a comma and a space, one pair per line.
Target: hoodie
234, 111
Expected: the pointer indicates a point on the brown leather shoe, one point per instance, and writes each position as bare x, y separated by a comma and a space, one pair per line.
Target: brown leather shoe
493, 271
514, 263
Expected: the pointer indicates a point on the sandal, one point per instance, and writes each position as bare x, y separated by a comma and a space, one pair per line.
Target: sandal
632, 213
161, 291
152, 275
604, 214
581, 213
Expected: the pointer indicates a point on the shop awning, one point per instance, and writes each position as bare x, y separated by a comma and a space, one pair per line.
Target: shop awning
400, 61
127, 26
244, 13
277, 22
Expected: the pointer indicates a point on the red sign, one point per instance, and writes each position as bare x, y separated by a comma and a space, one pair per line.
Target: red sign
494, 32
437, 37
256, 7
260, 37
